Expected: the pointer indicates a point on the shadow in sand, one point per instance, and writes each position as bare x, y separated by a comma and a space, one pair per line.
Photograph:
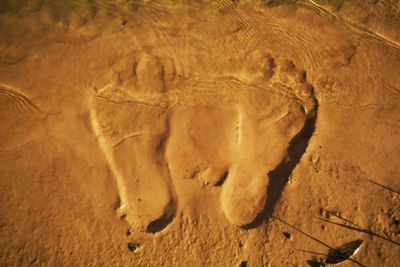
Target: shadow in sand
355, 227
339, 254
383, 186
321, 262
362, 230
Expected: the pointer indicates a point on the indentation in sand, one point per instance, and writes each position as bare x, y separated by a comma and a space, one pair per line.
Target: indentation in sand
232, 132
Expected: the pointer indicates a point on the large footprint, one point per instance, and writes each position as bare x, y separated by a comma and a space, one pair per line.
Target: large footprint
132, 127
230, 132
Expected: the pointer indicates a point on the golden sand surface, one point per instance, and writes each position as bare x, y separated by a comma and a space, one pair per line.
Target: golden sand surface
199, 133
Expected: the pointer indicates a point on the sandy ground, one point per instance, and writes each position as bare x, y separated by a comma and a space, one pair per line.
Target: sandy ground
199, 133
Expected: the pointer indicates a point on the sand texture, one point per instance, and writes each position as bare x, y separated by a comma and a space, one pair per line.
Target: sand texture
199, 133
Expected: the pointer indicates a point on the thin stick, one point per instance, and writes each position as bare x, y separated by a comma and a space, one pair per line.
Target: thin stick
362, 230
316, 240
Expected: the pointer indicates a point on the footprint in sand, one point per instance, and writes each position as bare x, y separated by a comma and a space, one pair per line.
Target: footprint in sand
156, 126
